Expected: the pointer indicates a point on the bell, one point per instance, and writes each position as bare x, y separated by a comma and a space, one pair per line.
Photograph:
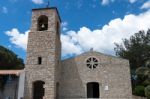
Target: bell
43, 26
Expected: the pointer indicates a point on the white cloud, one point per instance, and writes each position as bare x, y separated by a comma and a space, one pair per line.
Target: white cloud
64, 26
4, 10
17, 38
102, 40
38, 1
146, 5
68, 45
105, 2
132, 1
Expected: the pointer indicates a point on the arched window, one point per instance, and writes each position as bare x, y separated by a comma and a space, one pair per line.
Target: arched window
42, 23
38, 90
92, 90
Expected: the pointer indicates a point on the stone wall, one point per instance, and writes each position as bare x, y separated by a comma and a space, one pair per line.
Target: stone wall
111, 72
42, 44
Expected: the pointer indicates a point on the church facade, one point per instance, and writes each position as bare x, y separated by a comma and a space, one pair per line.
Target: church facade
89, 75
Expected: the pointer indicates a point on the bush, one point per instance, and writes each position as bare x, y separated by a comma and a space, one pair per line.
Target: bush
139, 91
147, 92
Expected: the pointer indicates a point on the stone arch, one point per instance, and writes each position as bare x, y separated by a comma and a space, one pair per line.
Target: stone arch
92, 90
38, 89
42, 23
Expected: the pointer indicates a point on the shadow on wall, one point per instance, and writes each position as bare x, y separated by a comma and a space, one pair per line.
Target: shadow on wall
71, 85
10, 88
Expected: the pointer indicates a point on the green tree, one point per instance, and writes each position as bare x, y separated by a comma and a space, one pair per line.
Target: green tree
9, 60
144, 72
137, 50
147, 92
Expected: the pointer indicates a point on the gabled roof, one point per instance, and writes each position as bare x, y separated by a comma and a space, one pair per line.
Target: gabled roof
96, 53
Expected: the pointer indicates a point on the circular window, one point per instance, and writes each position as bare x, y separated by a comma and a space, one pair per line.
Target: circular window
92, 62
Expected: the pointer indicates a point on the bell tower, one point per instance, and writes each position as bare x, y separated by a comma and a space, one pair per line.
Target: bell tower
43, 55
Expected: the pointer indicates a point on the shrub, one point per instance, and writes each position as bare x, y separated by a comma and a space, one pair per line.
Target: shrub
139, 90
147, 92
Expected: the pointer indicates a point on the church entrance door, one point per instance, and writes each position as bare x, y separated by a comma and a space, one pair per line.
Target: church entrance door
38, 89
92, 90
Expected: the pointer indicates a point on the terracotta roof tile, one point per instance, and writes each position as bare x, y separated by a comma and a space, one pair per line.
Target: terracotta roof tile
11, 72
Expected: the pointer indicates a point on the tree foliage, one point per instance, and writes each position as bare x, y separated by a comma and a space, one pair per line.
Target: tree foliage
137, 50
147, 92
9, 60
143, 72
139, 90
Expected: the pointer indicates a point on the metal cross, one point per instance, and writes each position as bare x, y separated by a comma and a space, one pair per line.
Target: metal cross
47, 3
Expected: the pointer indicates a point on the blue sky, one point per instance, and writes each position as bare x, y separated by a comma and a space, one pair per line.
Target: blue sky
85, 23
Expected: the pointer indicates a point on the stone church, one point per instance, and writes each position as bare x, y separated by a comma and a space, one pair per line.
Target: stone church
86, 76
89, 75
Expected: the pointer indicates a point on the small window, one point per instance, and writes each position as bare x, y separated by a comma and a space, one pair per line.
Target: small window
39, 60
57, 28
42, 23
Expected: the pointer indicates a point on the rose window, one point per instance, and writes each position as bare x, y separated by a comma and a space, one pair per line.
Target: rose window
92, 62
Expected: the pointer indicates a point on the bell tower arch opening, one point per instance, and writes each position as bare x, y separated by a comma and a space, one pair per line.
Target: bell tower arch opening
42, 23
